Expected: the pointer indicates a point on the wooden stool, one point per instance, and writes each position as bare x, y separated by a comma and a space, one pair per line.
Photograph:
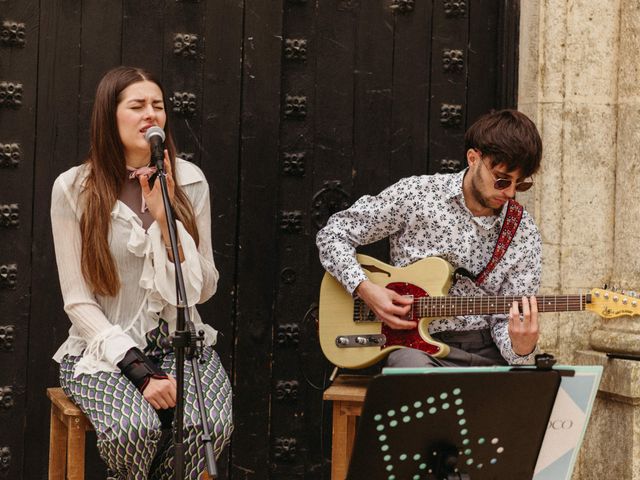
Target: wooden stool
66, 437
347, 393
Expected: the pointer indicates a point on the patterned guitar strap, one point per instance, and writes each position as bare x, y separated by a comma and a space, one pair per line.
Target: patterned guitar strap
509, 228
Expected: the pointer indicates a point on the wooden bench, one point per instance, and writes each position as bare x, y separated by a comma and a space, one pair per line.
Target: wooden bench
347, 393
66, 437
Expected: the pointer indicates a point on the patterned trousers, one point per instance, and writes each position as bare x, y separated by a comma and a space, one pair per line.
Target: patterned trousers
130, 438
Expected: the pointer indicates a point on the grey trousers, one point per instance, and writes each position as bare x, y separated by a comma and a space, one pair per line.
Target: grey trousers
472, 348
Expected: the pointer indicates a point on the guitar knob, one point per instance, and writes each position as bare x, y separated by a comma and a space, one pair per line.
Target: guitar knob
361, 340
342, 341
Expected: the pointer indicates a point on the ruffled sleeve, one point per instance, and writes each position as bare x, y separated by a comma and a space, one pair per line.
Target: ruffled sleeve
106, 343
104, 351
198, 268
159, 272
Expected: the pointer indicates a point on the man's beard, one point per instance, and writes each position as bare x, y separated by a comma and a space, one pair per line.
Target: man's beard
479, 197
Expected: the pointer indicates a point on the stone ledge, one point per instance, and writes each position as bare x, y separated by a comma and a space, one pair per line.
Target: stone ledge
611, 340
620, 378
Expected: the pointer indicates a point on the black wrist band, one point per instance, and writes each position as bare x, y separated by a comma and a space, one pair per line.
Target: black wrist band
139, 368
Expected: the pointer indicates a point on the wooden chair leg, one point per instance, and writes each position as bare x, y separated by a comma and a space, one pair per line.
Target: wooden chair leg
351, 437
75, 449
340, 448
57, 447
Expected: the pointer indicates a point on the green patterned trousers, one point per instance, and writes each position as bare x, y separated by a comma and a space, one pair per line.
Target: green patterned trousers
128, 429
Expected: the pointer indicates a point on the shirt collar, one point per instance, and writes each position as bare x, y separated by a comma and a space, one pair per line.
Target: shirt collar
453, 184
188, 173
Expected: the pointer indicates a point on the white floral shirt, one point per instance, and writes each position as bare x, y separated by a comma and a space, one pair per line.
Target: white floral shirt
426, 216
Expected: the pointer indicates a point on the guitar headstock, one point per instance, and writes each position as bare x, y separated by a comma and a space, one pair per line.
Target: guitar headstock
611, 304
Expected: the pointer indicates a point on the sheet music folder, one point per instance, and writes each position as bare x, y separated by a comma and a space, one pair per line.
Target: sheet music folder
453, 423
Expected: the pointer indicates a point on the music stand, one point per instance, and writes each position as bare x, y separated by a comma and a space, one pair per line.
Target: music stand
451, 423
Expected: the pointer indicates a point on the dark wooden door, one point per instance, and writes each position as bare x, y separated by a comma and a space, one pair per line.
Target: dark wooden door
293, 109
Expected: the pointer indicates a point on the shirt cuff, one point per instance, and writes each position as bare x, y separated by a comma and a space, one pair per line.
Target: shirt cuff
352, 277
525, 359
104, 352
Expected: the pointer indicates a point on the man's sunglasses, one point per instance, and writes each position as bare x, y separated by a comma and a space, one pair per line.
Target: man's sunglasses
504, 183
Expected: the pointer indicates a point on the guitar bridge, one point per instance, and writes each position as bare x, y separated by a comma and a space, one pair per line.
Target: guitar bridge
356, 341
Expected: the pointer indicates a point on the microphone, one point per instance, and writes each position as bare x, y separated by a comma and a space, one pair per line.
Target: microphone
155, 136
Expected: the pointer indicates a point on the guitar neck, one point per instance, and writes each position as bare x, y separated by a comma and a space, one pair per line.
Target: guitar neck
488, 305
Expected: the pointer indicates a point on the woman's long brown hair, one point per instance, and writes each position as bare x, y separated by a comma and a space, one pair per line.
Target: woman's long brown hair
106, 175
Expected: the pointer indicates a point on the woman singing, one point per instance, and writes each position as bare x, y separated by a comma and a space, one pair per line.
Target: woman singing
117, 278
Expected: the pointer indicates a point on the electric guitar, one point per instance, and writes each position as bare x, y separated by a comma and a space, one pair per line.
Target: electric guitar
352, 337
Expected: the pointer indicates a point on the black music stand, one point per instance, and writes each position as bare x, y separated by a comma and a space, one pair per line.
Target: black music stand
454, 424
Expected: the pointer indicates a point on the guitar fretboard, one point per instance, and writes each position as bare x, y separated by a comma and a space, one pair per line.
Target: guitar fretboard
479, 305
488, 305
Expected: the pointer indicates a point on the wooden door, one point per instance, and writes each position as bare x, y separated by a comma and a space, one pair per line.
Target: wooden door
293, 109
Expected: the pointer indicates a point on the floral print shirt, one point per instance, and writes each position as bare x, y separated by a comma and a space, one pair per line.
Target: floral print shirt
426, 216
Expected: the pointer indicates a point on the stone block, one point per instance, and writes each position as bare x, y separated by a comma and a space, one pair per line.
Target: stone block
591, 63
589, 175
548, 182
528, 64
629, 68
626, 269
574, 332
549, 323
553, 41
550, 268
615, 341
585, 266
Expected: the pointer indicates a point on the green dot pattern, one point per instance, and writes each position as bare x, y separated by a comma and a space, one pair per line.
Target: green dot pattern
433, 405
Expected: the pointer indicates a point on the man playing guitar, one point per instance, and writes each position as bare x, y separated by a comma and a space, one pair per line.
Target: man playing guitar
465, 219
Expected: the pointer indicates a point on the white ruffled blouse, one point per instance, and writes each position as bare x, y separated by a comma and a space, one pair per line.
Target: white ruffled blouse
104, 328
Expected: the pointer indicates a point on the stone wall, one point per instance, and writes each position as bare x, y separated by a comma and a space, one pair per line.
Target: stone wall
580, 82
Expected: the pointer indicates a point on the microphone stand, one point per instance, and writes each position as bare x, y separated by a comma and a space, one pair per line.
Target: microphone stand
186, 345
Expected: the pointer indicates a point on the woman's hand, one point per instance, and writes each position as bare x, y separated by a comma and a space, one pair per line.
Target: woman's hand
155, 204
161, 393
153, 196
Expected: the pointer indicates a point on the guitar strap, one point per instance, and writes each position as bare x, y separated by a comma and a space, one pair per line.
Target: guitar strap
509, 228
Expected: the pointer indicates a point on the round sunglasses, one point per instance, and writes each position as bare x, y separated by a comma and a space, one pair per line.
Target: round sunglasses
504, 183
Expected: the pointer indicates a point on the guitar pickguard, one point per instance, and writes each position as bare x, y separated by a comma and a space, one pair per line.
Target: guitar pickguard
409, 338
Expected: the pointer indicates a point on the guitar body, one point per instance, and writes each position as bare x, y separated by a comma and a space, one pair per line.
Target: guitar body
342, 317
351, 336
